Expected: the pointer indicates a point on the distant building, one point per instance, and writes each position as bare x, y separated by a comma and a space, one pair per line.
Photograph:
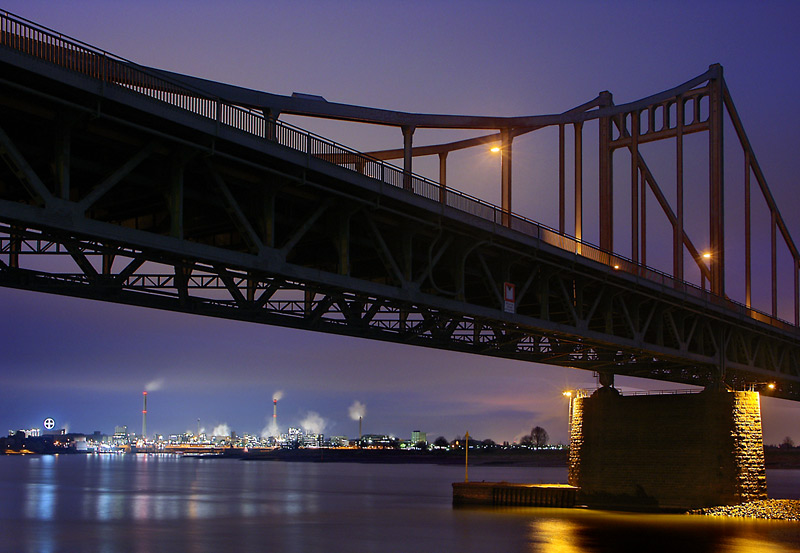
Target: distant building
30, 433
120, 435
312, 440
417, 437
340, 441
378, 441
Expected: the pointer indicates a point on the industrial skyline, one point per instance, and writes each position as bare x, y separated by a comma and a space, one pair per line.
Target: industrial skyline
78, 360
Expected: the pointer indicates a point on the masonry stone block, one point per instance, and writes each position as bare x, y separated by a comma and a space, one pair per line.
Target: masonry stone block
673, 452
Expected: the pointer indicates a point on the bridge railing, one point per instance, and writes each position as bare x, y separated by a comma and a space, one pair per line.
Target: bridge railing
49, 45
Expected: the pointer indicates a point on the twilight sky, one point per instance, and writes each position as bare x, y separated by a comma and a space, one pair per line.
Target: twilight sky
85, 363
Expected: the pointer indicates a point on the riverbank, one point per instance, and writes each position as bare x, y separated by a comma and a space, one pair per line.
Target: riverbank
507, 458
782, 458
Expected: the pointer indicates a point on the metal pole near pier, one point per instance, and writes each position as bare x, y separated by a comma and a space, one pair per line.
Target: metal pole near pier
466, 458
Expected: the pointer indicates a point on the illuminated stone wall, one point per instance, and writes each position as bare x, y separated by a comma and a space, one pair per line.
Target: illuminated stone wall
667, 451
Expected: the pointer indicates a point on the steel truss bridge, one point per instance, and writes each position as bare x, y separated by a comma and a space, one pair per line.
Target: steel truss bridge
128, 184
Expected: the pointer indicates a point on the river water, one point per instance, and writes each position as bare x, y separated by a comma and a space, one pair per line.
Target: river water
154, 503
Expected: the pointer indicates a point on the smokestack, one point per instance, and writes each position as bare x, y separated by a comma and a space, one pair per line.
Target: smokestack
144, 415
275, 410
359, 429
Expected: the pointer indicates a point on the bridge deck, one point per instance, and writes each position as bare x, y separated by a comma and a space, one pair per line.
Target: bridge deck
162, 195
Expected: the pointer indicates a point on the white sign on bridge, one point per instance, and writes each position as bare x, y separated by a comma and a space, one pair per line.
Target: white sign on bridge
509, 295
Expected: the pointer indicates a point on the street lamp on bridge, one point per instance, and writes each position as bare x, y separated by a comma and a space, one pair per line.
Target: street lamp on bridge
706, 262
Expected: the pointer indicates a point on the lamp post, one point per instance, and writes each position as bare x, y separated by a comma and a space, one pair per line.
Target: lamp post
569, 394
706, 263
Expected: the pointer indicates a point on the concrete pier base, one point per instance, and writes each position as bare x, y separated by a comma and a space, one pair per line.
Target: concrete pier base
667, 452
508, 494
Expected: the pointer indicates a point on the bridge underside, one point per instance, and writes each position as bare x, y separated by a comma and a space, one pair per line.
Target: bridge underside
109, 195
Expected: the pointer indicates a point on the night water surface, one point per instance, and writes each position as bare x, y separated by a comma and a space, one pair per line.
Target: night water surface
155, 503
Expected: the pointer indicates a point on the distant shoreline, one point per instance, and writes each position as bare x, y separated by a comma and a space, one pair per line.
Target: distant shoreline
506, 458
775, 458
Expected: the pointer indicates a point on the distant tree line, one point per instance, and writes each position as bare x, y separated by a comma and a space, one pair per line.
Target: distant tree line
536, 439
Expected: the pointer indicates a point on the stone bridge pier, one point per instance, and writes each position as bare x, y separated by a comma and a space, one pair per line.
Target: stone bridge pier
667, 452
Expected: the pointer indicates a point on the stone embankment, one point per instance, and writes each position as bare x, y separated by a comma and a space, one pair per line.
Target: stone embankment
774, 509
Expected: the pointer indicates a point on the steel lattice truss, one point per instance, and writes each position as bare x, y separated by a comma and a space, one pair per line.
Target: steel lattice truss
109, 191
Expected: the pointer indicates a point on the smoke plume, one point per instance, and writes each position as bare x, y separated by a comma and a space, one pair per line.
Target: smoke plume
313, 423
271, 430
221, 430
154, 385
278, 395
357, 410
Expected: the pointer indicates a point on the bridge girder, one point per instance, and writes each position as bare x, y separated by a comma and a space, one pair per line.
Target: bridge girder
108, 195
159, 222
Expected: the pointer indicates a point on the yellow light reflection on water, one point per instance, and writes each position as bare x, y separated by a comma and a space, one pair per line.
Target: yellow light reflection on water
592, 531
553, 535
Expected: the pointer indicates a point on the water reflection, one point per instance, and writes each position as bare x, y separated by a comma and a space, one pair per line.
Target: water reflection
40, 491
554, 536
605, 532
140, 503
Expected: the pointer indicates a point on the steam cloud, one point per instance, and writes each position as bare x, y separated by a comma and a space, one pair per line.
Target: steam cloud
154, 385
271, 430
357, 410
221, 430
278, 395
313, 423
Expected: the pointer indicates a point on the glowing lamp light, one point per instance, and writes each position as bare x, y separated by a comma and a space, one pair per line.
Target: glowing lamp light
568, 393
706, 255
495, 149
771, 385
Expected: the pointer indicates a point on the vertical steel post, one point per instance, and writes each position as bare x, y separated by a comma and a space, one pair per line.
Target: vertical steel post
443, 177
643, 212
747, 250
252, 286
634, 115
579, 183
408, 140
14, 247
561, 180
796, 292
716, 199
107, 264
505, 175
677, 231
606, 177
773, 249
270, 126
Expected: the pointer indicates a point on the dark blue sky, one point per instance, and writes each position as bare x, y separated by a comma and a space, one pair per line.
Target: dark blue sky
85, 363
